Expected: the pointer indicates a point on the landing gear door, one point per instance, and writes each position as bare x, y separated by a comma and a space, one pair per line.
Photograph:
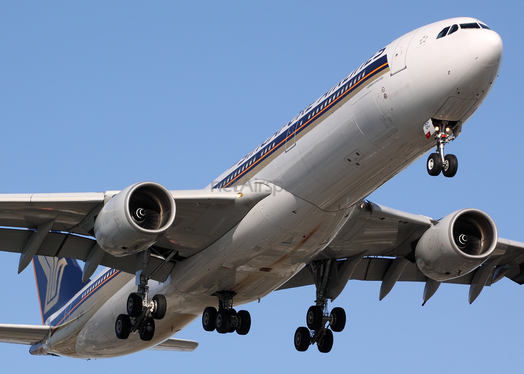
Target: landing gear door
398, 61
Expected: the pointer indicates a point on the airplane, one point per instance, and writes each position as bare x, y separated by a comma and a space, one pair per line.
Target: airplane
292, 212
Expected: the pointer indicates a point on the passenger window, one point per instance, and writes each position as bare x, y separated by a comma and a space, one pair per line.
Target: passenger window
443, 33
469, 26
454, 28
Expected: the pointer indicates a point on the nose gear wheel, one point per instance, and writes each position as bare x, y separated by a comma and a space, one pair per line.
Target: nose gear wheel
438, 162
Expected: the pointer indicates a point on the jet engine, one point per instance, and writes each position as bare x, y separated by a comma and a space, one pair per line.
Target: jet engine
458, 244
134, 219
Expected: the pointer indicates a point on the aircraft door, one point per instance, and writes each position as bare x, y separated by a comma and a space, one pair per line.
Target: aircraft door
291, 136
398, 61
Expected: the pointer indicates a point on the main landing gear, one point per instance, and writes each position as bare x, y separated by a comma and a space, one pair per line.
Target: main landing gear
320, 322
320, 327
438, 162
141, 313
226, 319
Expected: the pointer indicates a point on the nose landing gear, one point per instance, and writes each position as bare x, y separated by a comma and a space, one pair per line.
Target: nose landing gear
444, 132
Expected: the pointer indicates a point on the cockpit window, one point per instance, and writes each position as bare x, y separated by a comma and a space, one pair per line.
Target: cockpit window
443, 33
472, 25
453, 29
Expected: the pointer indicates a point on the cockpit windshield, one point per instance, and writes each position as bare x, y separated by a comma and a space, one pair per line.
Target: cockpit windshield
448, 30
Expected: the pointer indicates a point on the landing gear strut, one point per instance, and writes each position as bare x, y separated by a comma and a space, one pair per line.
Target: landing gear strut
226, 319
320, 322
141, 313
438, 162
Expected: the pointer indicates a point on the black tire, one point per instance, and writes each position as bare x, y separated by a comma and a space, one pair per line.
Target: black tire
148, 329
302, 339
434, 164
450, 167
245, 322
232, 313
314, 317
160, 306
223, 321
208, 318
123, 326
338, 319
326, 342
134, 305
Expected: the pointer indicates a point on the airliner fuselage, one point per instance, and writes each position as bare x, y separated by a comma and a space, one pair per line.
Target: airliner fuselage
315, 170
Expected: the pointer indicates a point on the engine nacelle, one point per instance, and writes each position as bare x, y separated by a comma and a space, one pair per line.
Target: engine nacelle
133, 220
458, 244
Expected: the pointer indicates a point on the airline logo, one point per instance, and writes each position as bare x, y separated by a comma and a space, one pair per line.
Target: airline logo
54, 270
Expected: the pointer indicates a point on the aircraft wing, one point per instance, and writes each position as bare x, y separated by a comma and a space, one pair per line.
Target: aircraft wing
202, 216
377, 243
23, 334
173, 344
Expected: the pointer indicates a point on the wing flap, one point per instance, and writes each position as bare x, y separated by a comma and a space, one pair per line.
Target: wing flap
59, 244
23, 334
373, 269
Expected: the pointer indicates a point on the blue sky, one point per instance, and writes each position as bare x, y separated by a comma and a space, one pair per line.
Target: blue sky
96, 96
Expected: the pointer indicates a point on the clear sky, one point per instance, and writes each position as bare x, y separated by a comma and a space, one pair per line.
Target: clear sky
98, 95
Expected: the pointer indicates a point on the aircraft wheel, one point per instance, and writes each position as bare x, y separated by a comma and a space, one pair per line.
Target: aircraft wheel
326, 342
160, 306
450, 167
232, 313
223, 321
434, 164
245, 322
302, 339
148, 329
338, 319
134, 305
208, 318
314, 317
123, 326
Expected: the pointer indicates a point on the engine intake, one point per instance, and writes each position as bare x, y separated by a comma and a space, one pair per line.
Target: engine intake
134, 219
458, 244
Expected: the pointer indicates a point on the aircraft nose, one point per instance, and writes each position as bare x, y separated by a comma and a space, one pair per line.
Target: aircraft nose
485, 46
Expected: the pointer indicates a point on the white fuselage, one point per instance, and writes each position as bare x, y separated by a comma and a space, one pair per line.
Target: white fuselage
337, 151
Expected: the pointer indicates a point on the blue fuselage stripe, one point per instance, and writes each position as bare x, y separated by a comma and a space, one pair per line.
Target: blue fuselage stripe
90, 290
310, 118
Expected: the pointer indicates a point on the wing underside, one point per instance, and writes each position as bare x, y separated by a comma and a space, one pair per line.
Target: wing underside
377, 244
66, 222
